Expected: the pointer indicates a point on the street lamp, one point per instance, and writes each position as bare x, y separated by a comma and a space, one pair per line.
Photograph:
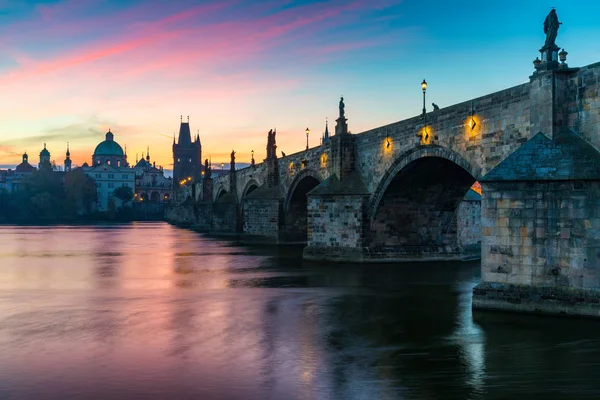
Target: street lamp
424, 87
307, 132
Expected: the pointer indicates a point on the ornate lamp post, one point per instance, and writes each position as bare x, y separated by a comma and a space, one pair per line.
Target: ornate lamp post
252, 161
307, 132
424, 87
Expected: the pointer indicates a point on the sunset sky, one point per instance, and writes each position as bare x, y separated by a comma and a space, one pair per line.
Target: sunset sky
72, 69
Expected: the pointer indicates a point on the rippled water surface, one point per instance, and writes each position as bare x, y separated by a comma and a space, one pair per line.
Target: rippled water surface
157, 312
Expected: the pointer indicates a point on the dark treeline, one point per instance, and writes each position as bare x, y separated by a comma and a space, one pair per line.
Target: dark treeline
49, 197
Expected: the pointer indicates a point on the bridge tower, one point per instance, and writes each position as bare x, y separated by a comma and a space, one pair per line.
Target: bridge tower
187, 155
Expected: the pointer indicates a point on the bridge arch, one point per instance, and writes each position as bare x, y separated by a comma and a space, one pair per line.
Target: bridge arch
415, 205
295, 205
220, 192
251, 186
408, 157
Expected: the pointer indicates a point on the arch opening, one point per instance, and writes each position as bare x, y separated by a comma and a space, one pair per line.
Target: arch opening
251, 186
221, 193
296, 215
155, 197
422, 214
251, 189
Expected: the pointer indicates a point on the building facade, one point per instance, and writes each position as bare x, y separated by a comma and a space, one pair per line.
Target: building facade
151, 184
110, 170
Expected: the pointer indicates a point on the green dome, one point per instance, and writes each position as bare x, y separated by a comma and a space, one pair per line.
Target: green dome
109, 147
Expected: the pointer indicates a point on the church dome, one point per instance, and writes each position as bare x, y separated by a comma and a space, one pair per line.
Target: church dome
44, 152
109, 147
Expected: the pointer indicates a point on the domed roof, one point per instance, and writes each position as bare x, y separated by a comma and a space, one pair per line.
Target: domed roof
45, 152
109, 147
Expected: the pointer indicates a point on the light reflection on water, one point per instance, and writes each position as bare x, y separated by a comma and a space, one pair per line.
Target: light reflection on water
153, 311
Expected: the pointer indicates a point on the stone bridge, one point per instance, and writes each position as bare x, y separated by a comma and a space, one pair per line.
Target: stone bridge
396, 192
411, 185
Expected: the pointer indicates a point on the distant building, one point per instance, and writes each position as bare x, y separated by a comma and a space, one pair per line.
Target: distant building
150, 182
187, 155
44, 158
68, 160
325, 138
110, 170
10, 180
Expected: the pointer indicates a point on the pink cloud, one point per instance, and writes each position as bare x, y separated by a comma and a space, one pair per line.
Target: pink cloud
169, 65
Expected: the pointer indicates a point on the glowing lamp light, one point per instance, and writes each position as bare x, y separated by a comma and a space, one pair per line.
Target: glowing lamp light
424, 85
388, 143
472, 123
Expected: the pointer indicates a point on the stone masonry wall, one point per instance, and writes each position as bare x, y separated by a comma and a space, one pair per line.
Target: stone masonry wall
261, 219
502, 126
341, 221
180, 215
584, 111
468, 221
544, 234
225, 218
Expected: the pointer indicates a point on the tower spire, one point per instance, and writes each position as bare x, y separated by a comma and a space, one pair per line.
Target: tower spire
68, 160
148, 154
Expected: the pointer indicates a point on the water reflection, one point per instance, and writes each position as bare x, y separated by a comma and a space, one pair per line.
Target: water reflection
153, 311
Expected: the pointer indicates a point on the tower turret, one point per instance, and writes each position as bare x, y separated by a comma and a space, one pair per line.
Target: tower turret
68, 159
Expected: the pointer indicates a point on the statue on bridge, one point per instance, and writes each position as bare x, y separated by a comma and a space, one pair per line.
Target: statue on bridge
271, 146
342, 106
551, 26
232, 164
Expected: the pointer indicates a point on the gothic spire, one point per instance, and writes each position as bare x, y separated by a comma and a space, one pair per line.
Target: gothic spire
148, 154
185, 137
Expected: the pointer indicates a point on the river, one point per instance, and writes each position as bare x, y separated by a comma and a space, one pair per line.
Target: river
152, 311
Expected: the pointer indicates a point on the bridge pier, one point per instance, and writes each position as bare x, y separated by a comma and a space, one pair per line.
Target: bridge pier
262, 212
337, 220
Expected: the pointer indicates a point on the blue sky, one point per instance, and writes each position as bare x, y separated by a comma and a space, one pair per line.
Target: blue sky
72, 69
